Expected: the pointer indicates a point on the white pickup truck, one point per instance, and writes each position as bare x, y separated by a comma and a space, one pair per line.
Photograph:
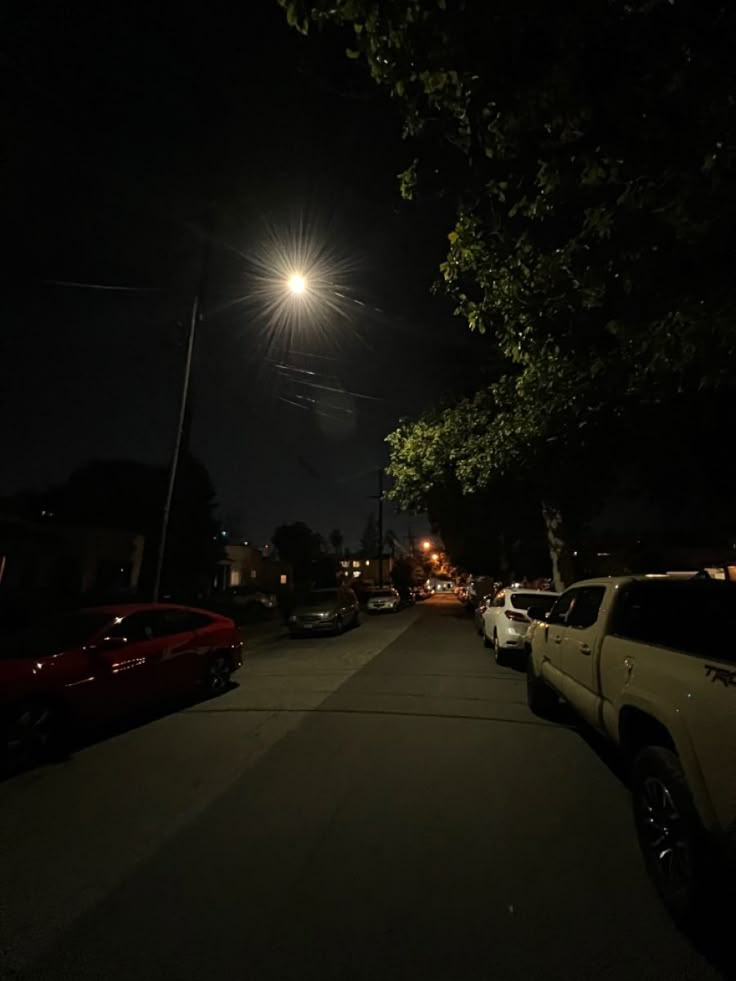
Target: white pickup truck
651, 664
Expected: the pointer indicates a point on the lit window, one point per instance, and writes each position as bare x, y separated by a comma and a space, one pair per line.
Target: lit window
356, 565
356, 574
367, 561
283, 579
235, 577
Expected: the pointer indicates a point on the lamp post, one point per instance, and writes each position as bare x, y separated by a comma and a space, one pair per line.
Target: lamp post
296, 285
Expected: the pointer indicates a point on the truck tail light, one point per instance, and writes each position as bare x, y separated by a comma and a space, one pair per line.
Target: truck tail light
516, 617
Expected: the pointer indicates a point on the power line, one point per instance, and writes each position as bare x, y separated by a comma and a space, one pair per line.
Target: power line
103, 286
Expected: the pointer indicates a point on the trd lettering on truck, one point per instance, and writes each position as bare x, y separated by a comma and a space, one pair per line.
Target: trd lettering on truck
726, 677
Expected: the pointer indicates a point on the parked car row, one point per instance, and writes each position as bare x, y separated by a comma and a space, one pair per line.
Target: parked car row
647, 662
338, 609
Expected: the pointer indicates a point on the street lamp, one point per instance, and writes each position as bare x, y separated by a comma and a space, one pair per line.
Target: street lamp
296, 286
426, 545
435, 557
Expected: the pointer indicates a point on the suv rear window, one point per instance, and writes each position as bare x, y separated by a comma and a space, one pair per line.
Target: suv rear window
697, 617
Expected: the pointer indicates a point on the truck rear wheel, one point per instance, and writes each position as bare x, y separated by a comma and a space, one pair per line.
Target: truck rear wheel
671, 837
539, 696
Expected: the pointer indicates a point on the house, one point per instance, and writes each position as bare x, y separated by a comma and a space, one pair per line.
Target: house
367, 570
245, 565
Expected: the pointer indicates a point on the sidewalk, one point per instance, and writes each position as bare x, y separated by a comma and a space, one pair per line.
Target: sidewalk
257, 635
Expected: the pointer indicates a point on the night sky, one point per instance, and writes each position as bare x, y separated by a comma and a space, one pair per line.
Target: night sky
129, 133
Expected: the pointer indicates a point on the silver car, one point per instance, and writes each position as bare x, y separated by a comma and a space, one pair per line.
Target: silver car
383, 601
325, 611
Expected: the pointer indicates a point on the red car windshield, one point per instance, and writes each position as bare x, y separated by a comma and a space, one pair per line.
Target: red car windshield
52, 636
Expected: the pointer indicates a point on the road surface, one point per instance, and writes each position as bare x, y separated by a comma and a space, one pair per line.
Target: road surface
380, 805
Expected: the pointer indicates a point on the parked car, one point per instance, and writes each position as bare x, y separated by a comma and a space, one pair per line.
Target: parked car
97, 664
384, 601
650, 664
243, 596
479, 612
505, 621
422, 592
406, 595
325, 611
478, 587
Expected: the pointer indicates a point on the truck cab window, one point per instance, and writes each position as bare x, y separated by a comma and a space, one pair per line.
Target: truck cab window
585, 609
559, 612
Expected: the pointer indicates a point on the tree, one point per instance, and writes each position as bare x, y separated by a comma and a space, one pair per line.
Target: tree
594, 210
130, 495
336, 539
403, 573
392, 542
594, 206
369, 541
298, 544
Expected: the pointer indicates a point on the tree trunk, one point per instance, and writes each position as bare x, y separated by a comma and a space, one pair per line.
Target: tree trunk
563, 567
504, 565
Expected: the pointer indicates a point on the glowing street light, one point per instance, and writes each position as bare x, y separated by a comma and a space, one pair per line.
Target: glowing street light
297, 283
282, 287
426, 545
435, 557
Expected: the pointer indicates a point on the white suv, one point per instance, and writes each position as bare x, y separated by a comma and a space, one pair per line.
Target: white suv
505, 622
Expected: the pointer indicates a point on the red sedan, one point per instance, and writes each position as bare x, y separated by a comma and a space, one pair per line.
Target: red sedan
98, 664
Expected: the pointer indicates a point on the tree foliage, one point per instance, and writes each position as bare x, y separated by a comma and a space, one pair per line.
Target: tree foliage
336, 540
130, 495
590, 149
370, 544
298, 544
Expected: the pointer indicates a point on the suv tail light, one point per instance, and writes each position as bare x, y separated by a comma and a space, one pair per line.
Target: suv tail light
516, 617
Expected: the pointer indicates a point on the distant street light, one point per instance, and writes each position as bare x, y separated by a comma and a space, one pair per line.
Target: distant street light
297, 283
435, 557
426, 545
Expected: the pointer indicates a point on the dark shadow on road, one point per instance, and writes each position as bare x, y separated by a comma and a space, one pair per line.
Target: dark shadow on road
78, 739
713, 937
712, 934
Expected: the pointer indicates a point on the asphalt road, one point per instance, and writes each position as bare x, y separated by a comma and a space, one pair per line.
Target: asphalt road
380, 805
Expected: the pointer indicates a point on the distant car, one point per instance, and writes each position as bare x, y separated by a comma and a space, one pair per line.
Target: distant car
406, 595
99, 664
422, 592
242, 596
325, 611
384, 601
505, 622
477, 588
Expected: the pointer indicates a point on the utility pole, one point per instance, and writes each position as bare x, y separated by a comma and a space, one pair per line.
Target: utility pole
380, 527
193, 321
